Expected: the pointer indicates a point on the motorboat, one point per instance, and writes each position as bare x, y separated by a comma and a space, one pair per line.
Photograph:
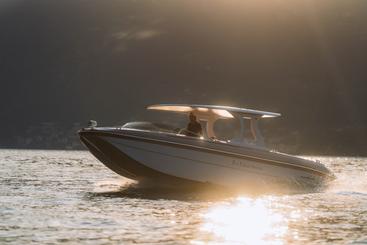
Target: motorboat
160, 153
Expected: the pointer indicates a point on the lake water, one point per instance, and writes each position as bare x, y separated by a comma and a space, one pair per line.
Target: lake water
69, 197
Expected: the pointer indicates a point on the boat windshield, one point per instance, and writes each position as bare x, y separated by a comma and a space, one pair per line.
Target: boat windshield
150, 126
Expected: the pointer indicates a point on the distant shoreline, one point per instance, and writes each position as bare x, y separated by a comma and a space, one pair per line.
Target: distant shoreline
292, 153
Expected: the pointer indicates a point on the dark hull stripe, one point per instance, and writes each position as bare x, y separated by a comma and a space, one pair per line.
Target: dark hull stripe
198, 148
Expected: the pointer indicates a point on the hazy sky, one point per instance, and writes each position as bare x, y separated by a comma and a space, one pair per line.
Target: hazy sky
72, 60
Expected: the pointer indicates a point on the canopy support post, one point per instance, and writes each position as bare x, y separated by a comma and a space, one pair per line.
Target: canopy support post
241, 136
256, 133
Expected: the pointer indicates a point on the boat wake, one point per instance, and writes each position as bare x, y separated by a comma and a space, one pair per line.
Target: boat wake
347, 183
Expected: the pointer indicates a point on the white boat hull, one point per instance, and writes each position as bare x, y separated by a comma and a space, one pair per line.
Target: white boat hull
160, 161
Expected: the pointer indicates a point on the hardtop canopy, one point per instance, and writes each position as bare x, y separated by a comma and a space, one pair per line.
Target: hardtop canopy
211, 113
217, 110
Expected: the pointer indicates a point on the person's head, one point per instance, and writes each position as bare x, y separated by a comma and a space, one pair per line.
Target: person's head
192, 117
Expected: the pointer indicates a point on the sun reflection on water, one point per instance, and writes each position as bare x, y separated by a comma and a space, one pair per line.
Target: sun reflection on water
246, 221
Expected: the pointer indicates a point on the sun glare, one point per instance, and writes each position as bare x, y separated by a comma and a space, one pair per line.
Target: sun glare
223, 113
246, 221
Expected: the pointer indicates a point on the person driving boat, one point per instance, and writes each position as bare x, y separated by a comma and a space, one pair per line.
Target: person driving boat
194, 128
